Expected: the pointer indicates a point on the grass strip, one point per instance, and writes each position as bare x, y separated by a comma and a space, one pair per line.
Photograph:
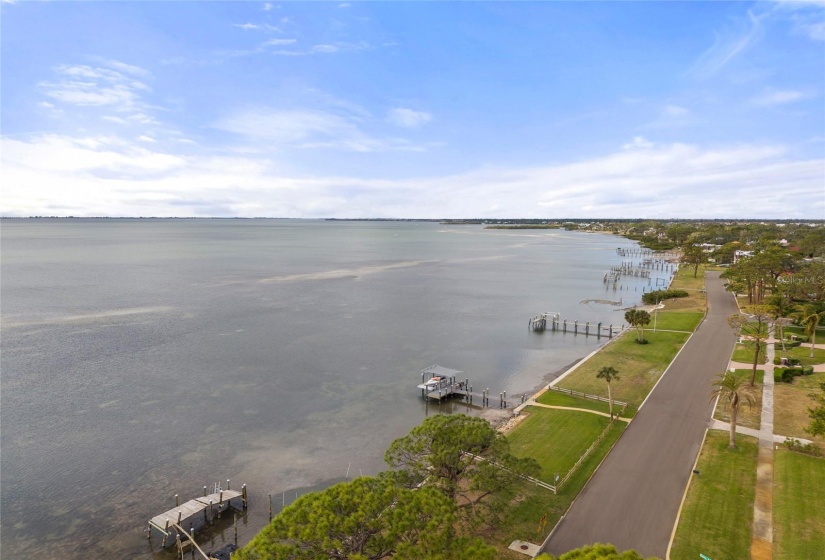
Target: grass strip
798, 506
555, 398
718, 512
677, 320
749, 416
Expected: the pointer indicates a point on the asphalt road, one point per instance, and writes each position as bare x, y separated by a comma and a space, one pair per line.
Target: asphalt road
633, 499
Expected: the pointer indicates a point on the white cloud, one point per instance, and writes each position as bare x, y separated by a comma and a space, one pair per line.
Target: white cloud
285, 126
273, 42
779, 98
675, 111
638, 143
128, 68
148, 139
256, 27
408, 118
727, 46
325, 48
59, 175
267, 6
672, 116
309, 129
97, 86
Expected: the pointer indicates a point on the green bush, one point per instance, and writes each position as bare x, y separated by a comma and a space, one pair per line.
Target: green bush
796, 445
800, 338
792, 343
776, 360
651, 298
786, 374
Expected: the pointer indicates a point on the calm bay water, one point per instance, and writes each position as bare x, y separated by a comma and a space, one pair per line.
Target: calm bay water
147, 358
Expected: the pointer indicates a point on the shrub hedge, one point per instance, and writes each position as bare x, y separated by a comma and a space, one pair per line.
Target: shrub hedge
660, 295
786, 374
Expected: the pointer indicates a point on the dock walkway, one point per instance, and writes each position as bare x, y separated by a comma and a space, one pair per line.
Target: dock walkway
185, 511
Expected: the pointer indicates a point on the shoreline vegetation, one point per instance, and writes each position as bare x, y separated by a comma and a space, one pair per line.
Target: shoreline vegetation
567, 435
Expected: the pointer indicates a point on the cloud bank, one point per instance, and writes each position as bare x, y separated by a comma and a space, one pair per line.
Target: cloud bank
110, 176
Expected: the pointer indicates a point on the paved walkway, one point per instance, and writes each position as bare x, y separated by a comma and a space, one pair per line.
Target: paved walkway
762, 535
633, 498
533, 402
777, 438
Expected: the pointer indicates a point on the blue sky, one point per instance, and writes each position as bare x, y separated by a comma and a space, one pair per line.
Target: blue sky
414, 109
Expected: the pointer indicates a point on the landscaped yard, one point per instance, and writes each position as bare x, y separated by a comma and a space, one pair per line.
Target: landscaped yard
555, 438
718, 512
640, 366
798, 506
790, 406
802, 353
520, 520
749, 416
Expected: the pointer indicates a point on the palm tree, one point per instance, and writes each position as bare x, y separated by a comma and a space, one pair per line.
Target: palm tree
809, 319
609, 373
729, 386
638, 318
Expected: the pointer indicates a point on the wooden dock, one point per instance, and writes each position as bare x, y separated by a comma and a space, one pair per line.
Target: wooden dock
196, 513
444, 383
540, 323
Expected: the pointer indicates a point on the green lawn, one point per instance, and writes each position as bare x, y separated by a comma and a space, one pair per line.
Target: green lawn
749, 416
555, 438
802, 353
520, 520
790, 406
677, 320
555, 398
718, 512
696, 301
796, 329
798, 506
744, 353
639, 366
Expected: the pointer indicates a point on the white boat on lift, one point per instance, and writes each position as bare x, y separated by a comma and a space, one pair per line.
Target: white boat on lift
440, 379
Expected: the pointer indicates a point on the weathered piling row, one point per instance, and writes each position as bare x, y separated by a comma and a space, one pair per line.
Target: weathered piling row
539, 323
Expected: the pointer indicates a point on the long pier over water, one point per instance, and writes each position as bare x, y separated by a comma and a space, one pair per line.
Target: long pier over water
540, 323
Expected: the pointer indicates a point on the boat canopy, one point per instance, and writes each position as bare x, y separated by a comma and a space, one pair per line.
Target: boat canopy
441, 371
